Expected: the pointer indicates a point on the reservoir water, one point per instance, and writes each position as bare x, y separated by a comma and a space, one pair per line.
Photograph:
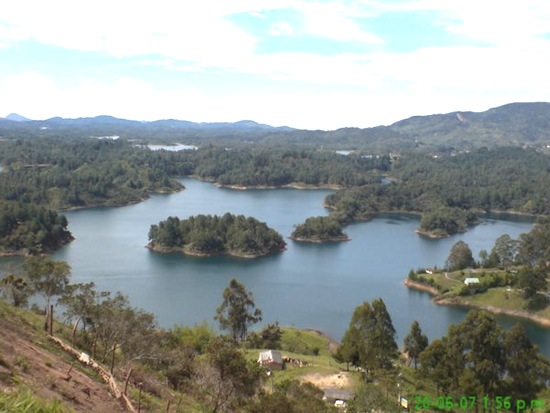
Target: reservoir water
310, 286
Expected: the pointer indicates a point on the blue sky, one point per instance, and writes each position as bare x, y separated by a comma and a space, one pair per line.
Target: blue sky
301, 63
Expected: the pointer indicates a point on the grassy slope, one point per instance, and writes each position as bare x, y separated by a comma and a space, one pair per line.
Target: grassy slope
301, 345
34, 373
35, 378
449, 285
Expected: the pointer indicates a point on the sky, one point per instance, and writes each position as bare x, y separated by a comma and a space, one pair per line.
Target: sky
307, 64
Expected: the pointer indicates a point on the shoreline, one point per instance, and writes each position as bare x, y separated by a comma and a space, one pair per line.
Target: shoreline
341, 238
25, 251
240, 187
186, 252
439, 300
120, 205
292, 185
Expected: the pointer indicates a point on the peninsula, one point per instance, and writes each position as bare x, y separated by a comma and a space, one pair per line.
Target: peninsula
27, 229
493, 290
212, 235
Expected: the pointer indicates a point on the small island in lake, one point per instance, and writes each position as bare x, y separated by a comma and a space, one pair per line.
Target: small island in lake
212, 235
319, 229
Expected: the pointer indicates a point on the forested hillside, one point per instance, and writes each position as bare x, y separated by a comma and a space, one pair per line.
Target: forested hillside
63, 173
446, 167
450, 190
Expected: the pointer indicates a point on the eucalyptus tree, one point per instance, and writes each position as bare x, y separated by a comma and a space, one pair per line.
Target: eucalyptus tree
238, 311
47, 277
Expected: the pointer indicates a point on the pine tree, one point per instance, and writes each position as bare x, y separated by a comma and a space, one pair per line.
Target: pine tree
369, 341
415, 342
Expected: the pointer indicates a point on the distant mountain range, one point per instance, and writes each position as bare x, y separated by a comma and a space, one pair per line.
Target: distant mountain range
511, 124
16, 118
124, 123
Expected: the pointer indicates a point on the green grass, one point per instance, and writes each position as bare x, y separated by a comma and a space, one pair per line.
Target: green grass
304, 342
301, 345
498, 297
450, 284
23, 400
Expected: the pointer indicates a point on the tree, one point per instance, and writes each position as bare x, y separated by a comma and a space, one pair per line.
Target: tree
268, 337
504, 252
369, 341
237, 311
115, 324
415, 342
224, 379
437, 364
383, 337
79, 301
460, 257
47, 277
531, 280
534, 246
15, 289
479, 339
471, 359
528, 371
196, 338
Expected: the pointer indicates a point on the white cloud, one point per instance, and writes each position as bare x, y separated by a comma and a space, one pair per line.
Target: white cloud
334, 20
183, 30
493, 21
504, 60
281, 29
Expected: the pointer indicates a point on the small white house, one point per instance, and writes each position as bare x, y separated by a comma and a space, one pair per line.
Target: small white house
471, 280
271, 359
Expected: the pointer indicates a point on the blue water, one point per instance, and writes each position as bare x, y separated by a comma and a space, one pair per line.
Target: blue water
311, 286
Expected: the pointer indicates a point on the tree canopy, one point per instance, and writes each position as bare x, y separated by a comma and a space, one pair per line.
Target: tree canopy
319, 229
460, 257
477, 357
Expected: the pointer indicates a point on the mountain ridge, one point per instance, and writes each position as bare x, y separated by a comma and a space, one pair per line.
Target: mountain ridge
519, 123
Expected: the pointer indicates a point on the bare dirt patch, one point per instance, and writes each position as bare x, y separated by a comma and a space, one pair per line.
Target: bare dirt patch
341, 380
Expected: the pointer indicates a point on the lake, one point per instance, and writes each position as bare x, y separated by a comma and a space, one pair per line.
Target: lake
310, 286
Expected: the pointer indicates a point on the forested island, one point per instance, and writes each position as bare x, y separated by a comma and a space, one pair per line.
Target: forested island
211, 235
318, 230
